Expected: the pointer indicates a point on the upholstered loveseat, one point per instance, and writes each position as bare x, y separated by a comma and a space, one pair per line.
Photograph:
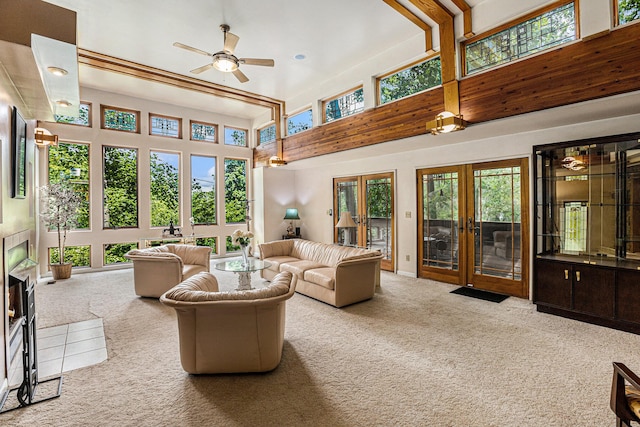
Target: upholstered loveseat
337, 275
158, 269
225, 332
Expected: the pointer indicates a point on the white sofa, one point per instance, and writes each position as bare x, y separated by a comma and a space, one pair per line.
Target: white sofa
336, 275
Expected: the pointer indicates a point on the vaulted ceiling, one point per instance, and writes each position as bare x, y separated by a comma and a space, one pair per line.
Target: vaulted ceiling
331, 35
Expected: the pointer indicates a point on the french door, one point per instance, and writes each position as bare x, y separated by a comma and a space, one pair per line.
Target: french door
473, 225
368, 201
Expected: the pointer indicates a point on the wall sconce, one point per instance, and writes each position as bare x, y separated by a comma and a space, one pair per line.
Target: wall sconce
43, 138
446, 122
275, 161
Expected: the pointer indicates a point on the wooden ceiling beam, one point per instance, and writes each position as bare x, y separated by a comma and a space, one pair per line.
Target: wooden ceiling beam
428, 35
466, 15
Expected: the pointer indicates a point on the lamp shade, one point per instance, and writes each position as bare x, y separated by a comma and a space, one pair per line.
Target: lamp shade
346, 221
292, 213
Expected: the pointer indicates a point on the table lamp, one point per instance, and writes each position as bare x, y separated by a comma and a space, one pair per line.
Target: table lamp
346, 221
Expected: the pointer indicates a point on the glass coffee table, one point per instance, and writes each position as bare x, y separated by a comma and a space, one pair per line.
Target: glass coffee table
243, 270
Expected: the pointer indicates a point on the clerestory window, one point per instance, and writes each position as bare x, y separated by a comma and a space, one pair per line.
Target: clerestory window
627, 11
409, 80
343, 105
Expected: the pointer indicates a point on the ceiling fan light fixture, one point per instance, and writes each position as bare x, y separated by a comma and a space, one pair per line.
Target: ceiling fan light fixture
225, 63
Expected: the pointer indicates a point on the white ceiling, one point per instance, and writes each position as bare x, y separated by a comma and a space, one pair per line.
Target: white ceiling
332, 34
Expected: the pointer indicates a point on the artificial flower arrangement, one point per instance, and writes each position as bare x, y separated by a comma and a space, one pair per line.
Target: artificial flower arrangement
243, 238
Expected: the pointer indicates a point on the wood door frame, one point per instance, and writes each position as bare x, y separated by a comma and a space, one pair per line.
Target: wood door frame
361, 197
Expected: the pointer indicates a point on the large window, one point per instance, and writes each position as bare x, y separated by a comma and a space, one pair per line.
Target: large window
409, 81
537, 32
165, 189
343, 105
299, 122
235, 190
203, 189
120, 182
79, 256
114, 252
70, 163
628, 10
235, 136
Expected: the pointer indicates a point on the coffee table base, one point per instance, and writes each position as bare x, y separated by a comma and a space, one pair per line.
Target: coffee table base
244, 281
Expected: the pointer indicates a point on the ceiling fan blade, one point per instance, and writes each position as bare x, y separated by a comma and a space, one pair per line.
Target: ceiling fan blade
257, 61
192, 49
230, 42
201, 69
240, 75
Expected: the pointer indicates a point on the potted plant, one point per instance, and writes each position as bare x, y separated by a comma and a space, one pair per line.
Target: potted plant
60, 205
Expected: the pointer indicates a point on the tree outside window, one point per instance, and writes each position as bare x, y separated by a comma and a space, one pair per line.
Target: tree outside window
628, 10
235, 190
203, 189
70, 163
120, 186
165, 189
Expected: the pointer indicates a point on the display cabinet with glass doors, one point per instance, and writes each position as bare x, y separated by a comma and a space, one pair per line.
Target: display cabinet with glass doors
587, 230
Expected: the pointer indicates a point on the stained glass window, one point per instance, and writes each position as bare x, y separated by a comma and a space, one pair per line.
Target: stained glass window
410, 80
549, 29
343, 105
120, 119
267, 134
205, 132
235, 136
165, 126
83, 119
299, 122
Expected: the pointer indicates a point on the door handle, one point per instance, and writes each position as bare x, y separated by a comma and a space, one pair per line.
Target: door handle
470, 225
566, 275
577, 276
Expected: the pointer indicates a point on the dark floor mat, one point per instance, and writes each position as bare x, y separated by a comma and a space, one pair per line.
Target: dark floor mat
477, 293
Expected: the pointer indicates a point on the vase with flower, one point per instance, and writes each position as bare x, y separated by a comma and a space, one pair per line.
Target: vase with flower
243, 238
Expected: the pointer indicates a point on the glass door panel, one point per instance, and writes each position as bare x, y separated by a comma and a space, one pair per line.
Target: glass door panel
379, 216
346, 201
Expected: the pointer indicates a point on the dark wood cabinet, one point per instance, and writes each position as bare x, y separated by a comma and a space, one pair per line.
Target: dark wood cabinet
587, 230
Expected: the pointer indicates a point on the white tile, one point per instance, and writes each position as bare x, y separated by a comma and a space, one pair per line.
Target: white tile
50, 353
54, 330
84, 346
53, 341
87, 324
81, 360
49, 368
85, 334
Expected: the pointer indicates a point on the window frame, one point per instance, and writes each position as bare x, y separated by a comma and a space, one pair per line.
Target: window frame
294, 114
123, 110
261, 128
403, 68
198, 122
616, 15
137, 151
224, 180
215, 190
162, 116
513, 23
246, 132
176, 153
325, 101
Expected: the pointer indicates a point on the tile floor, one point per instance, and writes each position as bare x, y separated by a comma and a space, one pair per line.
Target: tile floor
67, 347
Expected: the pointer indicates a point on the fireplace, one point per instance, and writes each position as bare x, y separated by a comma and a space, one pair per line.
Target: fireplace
20, 274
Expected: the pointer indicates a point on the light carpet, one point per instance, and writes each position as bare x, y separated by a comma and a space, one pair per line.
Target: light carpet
414, 355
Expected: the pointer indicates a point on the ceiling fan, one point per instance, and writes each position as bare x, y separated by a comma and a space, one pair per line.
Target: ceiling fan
225, 60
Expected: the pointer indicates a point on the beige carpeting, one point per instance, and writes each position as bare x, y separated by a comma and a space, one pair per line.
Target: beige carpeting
415, 355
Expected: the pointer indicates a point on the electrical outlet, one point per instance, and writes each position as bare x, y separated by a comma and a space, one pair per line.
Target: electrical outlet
407, 214
408, 257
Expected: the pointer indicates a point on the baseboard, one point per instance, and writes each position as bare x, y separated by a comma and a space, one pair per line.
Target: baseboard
406, 274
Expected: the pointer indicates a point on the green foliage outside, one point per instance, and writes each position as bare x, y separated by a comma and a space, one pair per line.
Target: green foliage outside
203, 191
114, 253
212, 242
120, 120
379, 198
69, 163
120, 187
628, 10
411, 80
82, 119
498, 195
235, 137
235, 190
79, 256
441, 197
165, 192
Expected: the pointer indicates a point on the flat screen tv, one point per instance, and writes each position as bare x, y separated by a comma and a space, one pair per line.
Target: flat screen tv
18, 155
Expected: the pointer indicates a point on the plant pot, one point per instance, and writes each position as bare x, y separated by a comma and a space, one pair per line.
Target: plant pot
61, 271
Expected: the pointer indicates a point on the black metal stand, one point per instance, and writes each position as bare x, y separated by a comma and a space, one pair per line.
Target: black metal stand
26, 392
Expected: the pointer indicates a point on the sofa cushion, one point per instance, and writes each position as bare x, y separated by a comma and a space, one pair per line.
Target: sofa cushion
325, 254
299, 267
191, 269
325, 277
633, 397
277, 260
